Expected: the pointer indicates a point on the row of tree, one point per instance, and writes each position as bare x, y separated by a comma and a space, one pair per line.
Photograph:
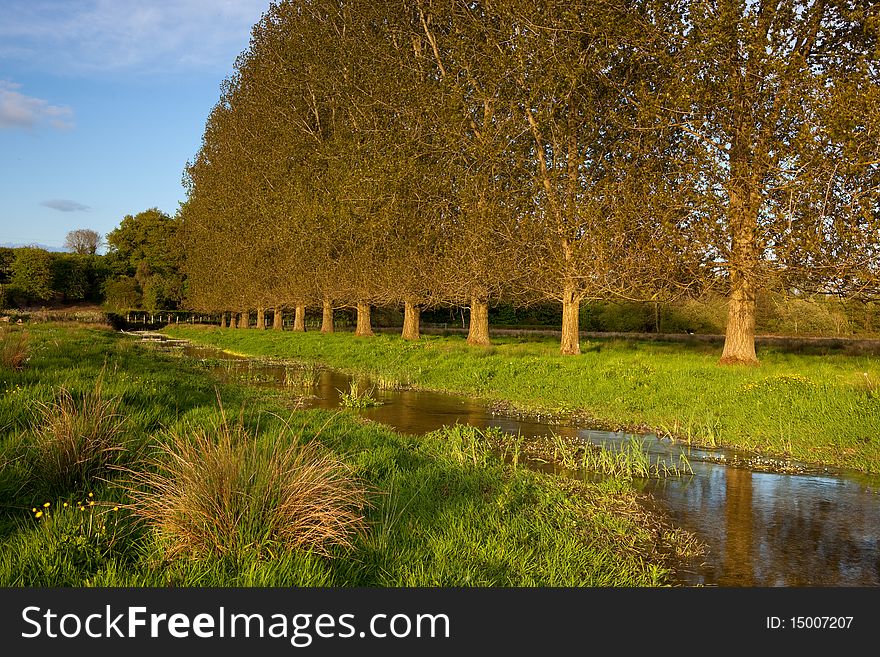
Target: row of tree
429, 152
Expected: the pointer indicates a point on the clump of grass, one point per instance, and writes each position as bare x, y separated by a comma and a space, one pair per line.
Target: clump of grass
466, 444
870, 385
630, 460
355, 398
304, 376
14, 351
75, 439
216, 490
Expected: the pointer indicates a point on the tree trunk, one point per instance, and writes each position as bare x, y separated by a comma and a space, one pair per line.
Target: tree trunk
478, 330
222, 320
244, 320
232, 323
739, 336
299, 318
411, 314
278, 319
743, 204
261, 318
364, 329
570, 344
327, 317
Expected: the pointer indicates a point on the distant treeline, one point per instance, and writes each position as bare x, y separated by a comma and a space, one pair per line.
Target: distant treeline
141, 270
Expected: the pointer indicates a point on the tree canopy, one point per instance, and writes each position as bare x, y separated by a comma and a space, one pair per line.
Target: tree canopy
438, 152
83, 241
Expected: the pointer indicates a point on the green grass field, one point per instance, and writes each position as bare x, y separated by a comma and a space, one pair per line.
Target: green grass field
119, 468
819, 408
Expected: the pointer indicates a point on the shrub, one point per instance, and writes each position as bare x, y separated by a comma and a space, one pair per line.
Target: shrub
76, 438
214, 490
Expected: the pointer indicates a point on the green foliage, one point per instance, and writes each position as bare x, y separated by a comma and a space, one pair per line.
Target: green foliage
78, 277
7, 258
32, 273
148, 247
122, 293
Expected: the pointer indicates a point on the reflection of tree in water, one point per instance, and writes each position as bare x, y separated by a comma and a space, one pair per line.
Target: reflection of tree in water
737, 566
812, 539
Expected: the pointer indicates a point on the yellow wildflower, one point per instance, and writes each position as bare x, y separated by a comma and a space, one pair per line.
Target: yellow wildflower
39, 513
47, 505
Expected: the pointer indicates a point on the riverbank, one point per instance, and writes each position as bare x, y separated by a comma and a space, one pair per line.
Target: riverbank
817, 408
437, 510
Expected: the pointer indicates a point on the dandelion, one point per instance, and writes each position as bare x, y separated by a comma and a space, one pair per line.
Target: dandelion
34, 509
47, 505
91, 502
39, 514
116, 508
65, 505
91, 494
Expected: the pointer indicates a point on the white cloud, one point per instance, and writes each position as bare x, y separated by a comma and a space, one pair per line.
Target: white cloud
20, 111
65, 205
158, 36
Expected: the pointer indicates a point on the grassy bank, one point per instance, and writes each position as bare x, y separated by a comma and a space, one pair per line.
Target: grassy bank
820, 408
119, 468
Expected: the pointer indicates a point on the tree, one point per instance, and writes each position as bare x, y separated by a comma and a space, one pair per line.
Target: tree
83, 241
781, 99
466, 98
148, 247
597, 211
32, 273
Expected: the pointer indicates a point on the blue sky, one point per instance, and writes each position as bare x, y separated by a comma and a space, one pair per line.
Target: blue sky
102, 102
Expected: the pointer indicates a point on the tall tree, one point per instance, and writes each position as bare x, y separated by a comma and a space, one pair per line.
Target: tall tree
781, 100
471, 107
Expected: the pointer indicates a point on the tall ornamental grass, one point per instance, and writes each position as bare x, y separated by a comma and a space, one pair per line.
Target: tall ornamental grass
216, 490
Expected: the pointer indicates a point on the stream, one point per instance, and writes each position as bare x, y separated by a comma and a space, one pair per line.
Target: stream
800, 527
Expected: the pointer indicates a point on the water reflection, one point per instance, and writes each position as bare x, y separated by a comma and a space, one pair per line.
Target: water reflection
762, 529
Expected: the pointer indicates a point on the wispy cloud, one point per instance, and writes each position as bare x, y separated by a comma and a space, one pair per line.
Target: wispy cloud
65, 205
94, 36
18, 110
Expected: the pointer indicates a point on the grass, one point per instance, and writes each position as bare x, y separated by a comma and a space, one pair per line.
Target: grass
75, 439
357, 398
821, 408
215, 489
13, 348
630, 459
304, 376
206, 502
